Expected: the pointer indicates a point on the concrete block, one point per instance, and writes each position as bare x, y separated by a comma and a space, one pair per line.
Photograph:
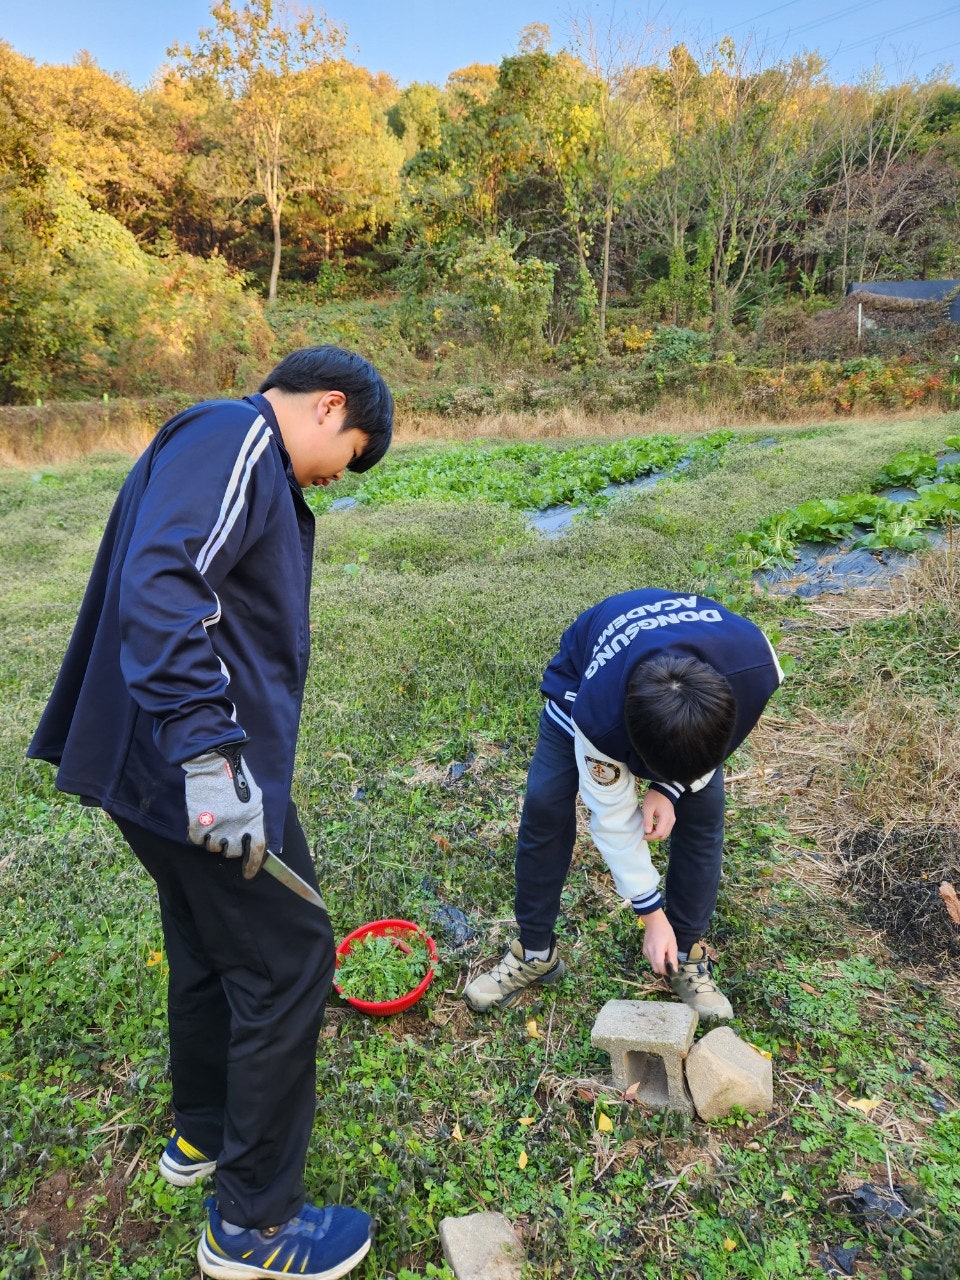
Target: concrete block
481, 1246
647, 1041
724, 1072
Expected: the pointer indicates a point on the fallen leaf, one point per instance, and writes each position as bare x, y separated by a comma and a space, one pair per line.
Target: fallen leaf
456, 1133
533, 1031
764, 1053
525, 1120
587, 1095
523, 1160
630, 1092
604, 1123
788, 1195
866, 1105
811, 991
442, 843
950, 900
729, 1245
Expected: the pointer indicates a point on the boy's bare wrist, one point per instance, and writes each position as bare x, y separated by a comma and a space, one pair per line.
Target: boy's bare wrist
659, 914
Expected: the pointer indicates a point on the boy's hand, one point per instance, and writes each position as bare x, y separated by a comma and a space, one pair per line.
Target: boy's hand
659, 943
659, 815
224, 805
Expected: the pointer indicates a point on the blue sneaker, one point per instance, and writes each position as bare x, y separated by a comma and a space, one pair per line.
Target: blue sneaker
318, 1244
182, 1164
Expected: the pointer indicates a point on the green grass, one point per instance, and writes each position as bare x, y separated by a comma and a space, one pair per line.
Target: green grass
432, 623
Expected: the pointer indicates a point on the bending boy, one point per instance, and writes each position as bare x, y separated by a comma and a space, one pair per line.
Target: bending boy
176, 710
648, 685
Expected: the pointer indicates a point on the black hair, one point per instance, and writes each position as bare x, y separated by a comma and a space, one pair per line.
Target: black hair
369, 404
680, 715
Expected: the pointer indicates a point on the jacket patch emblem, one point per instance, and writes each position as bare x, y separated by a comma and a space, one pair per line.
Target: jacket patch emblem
603, 771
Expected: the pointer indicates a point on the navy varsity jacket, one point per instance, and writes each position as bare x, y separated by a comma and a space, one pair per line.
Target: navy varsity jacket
586, 685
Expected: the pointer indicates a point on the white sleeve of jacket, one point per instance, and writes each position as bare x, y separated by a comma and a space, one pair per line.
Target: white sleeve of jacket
609, 790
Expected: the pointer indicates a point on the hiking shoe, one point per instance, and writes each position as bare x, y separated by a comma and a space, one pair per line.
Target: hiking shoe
318, 1244
182, 1164
693, 983
508, 979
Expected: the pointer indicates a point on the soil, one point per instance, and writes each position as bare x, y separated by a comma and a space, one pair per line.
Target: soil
897, 875
59, 1211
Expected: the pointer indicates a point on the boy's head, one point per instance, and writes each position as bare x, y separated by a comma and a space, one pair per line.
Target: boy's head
367, 405
680, 715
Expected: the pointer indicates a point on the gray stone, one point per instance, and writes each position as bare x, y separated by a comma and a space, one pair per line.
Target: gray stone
724, 1072
481, 1246
647, 1041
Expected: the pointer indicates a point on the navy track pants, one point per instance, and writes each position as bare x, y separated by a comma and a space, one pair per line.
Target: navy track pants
250, 967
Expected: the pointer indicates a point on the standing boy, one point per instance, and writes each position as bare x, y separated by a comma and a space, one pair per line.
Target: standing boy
653, 685
176, 710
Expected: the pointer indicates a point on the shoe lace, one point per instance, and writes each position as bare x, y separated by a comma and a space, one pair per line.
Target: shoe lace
698, 974
508, 969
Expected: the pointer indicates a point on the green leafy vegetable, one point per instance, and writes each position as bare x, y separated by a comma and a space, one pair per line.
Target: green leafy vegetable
526, 477
384, 967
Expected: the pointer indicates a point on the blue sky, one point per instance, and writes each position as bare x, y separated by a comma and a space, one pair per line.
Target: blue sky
427, 39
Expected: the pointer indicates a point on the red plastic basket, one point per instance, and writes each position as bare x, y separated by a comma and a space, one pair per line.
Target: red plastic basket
395, 929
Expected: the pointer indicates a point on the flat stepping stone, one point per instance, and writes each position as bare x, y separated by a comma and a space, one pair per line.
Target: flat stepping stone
482, 1246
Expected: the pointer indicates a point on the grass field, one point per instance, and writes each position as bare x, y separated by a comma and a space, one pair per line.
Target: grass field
431, 625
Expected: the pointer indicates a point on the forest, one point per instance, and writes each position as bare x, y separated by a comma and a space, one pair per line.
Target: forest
622, 203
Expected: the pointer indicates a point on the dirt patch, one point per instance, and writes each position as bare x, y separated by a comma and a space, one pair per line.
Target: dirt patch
897, 876
60, 1210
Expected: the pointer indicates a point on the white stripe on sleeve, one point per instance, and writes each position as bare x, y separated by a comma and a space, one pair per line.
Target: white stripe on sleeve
257, 439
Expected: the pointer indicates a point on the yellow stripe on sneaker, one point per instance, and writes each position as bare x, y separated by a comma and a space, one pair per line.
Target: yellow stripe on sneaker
211, 1241
269, 1261
190, 1152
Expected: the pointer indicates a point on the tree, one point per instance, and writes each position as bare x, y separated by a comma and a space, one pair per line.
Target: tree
615, 58
355, 156
760, 136
472, 84
90, 124
665, 207
416, 116
883, 185
256, 57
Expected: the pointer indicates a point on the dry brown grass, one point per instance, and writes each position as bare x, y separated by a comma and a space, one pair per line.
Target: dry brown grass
894, 757
874, 790
669, 418
64, 431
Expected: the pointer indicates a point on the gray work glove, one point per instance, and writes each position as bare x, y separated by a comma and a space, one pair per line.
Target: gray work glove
225, 807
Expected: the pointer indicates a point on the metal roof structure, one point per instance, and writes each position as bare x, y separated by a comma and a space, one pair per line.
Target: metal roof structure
915, 290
